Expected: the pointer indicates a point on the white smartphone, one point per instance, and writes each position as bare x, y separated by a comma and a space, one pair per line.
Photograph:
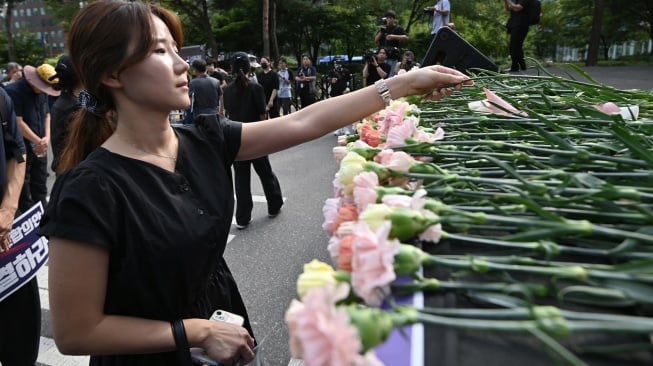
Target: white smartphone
227, 317
198, 354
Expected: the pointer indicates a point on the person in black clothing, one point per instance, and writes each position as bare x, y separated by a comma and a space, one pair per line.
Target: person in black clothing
205, 91
338, 78
245, 102
517, 27
391, 36
376, 68
214, 71
269, 80
139, 219
20, 312
30, 98
64, 107
306, 76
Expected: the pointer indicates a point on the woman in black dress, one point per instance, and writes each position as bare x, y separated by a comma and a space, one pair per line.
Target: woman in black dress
139, 217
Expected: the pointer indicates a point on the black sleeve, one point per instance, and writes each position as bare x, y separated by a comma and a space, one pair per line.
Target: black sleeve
258, 95
13, 140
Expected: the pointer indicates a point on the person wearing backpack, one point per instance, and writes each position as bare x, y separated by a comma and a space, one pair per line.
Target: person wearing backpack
517, 26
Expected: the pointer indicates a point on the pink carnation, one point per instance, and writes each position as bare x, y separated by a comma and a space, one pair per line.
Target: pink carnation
320, 333
432, 234
339, 153
330, 212
506, 109
397, 200
370, 135
346, 212
398, 161
338, 187
334, 248
608, 108
372, 263
294, 311
398, 134
391, 119
365, 185
424, 136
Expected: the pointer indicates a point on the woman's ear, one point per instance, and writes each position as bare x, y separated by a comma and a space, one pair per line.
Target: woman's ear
112, 81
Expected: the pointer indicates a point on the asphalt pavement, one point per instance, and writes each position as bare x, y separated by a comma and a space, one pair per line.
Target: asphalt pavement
620, 77
267, 257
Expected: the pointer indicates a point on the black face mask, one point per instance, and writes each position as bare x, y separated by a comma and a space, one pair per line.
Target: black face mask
264, 65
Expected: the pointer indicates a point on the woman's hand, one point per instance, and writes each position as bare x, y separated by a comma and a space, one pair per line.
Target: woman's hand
434, 81
228, 343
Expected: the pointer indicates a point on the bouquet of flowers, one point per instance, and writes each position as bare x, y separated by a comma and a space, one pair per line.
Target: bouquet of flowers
528, 194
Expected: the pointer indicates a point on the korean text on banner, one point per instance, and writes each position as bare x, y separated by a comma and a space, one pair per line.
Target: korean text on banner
27, 253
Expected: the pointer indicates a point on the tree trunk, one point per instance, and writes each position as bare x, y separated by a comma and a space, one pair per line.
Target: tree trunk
266, 27
273, 27
210, 38
595, 34
11, 53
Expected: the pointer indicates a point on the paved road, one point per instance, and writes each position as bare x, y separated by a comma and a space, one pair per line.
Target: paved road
267, 257
621, 77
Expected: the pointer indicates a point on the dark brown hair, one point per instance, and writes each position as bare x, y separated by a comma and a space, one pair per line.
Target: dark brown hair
105, 38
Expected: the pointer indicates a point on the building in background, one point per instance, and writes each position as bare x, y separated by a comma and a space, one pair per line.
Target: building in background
33, 17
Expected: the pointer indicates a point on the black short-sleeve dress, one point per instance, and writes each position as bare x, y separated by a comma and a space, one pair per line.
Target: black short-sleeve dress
165, 232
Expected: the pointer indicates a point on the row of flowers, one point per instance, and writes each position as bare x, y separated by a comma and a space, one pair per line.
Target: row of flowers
385, 209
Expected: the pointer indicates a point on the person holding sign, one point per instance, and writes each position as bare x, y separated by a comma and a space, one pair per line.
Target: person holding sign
20, 309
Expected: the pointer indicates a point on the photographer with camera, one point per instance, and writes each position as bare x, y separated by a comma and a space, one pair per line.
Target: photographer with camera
338, 78
390, 36
375, 67
407, 62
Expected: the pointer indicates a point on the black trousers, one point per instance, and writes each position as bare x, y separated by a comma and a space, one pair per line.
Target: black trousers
20, 326
517, 37
306, 97
270, 184
35, 188
274, 111
285, 105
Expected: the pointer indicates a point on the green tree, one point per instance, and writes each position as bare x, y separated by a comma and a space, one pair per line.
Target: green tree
63, 11
196, 17
27, 49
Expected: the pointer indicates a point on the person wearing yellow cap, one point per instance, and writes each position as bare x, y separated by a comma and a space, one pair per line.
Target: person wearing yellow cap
30, 97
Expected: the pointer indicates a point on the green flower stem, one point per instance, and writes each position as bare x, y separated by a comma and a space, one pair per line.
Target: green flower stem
434, 285
562, 328
527, 313
546, 247
594, 216
565, 227
575, 272
482, 266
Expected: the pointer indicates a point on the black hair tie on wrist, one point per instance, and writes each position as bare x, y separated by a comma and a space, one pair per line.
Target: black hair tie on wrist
181, 341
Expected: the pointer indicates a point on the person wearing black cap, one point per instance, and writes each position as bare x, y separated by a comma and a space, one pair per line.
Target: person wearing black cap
245, 102
64, 107
391, 36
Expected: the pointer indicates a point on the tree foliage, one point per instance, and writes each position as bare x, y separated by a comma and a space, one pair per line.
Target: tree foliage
319, 27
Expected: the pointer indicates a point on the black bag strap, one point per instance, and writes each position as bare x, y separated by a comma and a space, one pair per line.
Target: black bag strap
7, 136
4, 118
